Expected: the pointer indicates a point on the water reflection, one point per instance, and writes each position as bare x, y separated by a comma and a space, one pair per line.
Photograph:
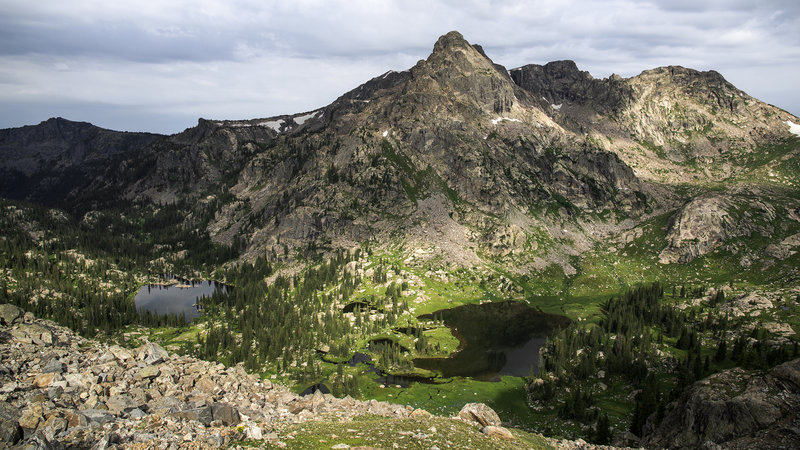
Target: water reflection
180, 298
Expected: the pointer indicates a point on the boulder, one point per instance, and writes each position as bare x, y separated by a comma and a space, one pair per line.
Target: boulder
420, 414
480, 414
55, 392
152, 353
54, 366
227, 414
45, 379
76, 419
201, 414
98, 416
136, 413
206, 385
10, 430
10, 314
317, 399
254, 432
498, 432
120, 353
31, 418
149, 372
300, 405
52, 427
76, 380
38, 441
118, 404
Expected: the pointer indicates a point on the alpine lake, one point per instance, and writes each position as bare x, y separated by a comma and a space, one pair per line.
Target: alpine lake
176, 296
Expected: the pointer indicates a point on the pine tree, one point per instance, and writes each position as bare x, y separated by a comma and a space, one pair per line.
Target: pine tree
722, 351
602, 434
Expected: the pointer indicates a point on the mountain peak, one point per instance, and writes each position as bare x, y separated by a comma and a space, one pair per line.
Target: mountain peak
466, 70
451, 41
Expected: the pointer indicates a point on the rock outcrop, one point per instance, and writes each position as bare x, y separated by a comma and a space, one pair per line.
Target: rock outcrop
700, 226
718, 220
735, 409
561, 82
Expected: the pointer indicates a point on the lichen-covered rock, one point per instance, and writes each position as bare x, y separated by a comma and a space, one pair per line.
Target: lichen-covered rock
152, 353
10, 314
480, 414
149, 372
498, 432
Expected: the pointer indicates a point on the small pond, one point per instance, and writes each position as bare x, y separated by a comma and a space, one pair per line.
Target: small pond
350, 307
178, 298
498, 338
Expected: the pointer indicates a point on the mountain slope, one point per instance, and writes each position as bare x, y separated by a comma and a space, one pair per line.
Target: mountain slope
454, 133
527, 168
58, 161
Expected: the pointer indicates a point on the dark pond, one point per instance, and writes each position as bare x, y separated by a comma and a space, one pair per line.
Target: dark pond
498, 338
350, 307
176, 299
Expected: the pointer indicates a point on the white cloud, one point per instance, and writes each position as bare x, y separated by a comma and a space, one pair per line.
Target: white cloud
253, 58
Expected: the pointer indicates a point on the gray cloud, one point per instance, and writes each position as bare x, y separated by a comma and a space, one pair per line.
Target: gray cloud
157, 66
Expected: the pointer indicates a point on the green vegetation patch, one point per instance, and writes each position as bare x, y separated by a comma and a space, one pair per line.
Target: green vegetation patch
381, 432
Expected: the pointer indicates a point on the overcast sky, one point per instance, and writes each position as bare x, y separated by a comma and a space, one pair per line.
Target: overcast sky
158, 65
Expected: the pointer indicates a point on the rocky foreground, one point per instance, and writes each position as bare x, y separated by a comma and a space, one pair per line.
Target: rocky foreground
58, 390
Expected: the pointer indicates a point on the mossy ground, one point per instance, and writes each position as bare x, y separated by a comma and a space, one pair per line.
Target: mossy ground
380, 432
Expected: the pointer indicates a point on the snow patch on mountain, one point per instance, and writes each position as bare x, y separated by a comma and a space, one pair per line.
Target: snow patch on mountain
501, 119
793, 127
302, 119
274, 124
